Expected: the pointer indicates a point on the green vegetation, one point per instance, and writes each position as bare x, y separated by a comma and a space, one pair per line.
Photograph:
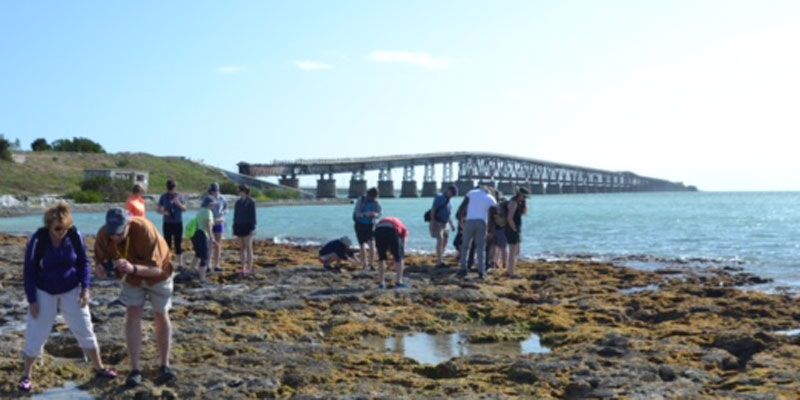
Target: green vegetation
265, 195
40, 144
78, 144
50, 172
85, 196
5, 149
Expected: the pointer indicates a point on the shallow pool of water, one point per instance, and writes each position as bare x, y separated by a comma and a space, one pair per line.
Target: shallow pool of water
70, 391
789, 332
433, 349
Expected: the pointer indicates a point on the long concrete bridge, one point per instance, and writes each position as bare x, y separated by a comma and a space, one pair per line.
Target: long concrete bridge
504, 172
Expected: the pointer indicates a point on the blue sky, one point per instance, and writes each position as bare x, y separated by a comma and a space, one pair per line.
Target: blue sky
704, 92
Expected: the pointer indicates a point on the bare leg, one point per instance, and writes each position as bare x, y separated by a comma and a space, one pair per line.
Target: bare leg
512, 259
133, 335
362, 256
381, 273
399, 268
242, 251
371, 253
249, 252
217, 253
94, 355
28, 368
163, 336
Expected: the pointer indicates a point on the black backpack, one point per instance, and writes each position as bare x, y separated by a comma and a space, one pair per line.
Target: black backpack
41, 238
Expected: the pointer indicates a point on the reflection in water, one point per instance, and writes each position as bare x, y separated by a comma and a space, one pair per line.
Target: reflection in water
789, 332
434, 349
70, 391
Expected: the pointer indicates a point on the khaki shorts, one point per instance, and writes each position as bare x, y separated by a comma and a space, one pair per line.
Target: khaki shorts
160, 295
439, 229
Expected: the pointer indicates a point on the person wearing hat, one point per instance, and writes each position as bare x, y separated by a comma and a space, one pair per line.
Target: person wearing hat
440, 221
336, 251
219, 209
133, 247
516, 208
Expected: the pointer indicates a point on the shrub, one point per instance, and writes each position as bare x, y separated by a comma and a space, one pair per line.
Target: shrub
113, 190
85, 196
40, 144
78, 144
228, 187
5, 149
274, 194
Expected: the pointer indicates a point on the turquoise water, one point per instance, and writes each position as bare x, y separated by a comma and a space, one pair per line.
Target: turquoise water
759, 231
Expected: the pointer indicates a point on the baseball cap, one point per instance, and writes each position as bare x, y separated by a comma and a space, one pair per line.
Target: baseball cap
116, 221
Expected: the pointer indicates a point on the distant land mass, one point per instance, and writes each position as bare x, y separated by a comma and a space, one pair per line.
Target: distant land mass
50, 172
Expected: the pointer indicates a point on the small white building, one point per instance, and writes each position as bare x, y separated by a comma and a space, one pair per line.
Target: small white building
134, 177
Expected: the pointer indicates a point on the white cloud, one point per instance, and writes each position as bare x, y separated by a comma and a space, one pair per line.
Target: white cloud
423, 60
312, 65
231, 69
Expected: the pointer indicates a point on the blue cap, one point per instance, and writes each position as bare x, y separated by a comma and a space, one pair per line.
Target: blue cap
213, 188
116, 220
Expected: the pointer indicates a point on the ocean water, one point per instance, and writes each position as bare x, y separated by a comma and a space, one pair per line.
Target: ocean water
759, 232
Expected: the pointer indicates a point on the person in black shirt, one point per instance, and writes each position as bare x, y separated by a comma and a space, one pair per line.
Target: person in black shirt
336, 251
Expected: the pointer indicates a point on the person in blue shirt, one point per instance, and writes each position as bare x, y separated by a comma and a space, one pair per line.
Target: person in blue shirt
172, 205
365, 214
440, 222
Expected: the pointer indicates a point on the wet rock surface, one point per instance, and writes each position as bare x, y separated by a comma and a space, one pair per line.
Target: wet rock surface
294, 331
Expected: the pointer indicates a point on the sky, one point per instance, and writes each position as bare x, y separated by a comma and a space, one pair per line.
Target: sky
703, 92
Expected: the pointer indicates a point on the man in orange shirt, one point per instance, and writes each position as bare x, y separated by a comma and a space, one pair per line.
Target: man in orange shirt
134, 247
136, 204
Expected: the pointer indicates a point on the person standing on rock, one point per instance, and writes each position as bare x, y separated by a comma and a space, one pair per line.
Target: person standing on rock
136, 204
391, 235
56, 278
244, 227
219, 208
365, 213
200, 230
475, 228
134, 247
172, 205
439, 222
516, 208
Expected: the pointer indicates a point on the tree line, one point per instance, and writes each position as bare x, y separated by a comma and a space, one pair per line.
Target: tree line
76, 144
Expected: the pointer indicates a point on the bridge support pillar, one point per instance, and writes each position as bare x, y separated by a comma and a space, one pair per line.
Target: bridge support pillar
553, 188
537, 188
429, 189
326, 188
581, 189
464, 186
290, 182
386, 189
358, 188
409, 189
506, 188
568, 188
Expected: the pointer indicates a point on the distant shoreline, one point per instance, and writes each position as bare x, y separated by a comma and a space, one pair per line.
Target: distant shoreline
193, 204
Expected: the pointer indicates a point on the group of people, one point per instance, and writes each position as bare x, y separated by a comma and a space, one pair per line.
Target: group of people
485, 221
57, 274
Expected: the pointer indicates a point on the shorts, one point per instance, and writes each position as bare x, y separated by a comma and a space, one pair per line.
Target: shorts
513, 237
200, 243
219, 228
439, 229
364, 232
500, 238
387, 239
242, 230
160, 295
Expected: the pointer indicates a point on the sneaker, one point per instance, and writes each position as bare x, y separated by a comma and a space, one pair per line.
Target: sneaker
481, 276
327, 267
167, 375
134, 379
372, 268
462, 273
25, 384
218, 269
401, 286
105, 373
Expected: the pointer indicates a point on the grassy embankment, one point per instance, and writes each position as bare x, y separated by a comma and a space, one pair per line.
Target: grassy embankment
62, 172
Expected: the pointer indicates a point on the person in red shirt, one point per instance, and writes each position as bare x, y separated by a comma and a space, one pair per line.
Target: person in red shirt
135, 204
391, 235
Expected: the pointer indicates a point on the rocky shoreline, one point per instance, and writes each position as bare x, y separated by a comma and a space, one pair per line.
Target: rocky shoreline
294, 331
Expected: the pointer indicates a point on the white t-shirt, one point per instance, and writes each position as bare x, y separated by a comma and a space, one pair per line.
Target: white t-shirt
479, 204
